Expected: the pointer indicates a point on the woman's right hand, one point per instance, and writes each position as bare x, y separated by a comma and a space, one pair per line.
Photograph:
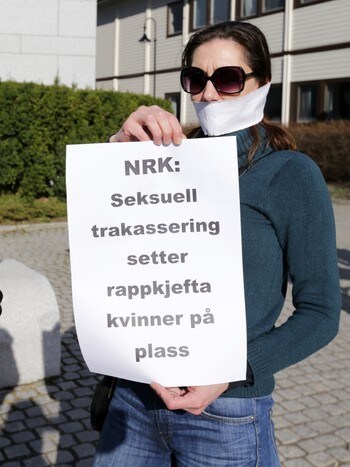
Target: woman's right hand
150, 124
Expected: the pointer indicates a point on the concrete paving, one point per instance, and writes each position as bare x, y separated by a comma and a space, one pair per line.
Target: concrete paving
47, 422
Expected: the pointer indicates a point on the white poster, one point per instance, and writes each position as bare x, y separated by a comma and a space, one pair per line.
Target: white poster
155, 247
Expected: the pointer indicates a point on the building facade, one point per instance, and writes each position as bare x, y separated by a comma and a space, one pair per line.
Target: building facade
309, 42
42, 40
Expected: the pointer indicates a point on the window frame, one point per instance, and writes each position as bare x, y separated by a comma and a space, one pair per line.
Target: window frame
176, 33
208, 17
298, 4
177, 97
318, 101
260, 11
333, 82
321, 87
279, 88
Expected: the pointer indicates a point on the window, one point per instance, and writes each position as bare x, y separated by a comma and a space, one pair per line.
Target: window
273, 108
298, 3
306, 110
270, 5
337, 101
174, 98
249, 8
199, 13
321, 100
204, 12
220, 11
174, 18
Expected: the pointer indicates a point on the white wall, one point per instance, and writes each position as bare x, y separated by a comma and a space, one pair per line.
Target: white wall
321, 24
331, 64
44, 39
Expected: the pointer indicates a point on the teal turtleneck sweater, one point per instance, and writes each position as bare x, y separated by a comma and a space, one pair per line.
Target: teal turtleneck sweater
287, 232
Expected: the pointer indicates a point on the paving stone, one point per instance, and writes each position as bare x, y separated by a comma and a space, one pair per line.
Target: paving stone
331, 440
341, 394
310, 402
326, 398
13, 427
52, 408
340, 421
345, 404
287, 436
321, 459
16, 414
14, 452
292, 451
35, 461
341, 454
82, 402
297, 463
311, 445
293, 406
297, 417
4, 441
281, 422
343, 433
22, 437
43, 445
72, 376
78, 414
83, 463
88, 436
315, 414
67, 441
84, 450
71, 427
321, 427
36, 422
333, 409
63, 395
81, 392
11, 464
304, 431
62, 458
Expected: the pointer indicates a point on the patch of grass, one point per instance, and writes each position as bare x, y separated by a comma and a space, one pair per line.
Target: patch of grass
15, 209
339, 191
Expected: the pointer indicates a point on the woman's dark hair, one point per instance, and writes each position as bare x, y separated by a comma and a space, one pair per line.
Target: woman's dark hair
257, 56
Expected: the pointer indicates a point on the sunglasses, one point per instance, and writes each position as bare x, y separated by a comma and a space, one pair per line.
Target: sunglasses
226, 79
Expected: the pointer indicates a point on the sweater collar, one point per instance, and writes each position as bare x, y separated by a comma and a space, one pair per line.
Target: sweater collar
244, 143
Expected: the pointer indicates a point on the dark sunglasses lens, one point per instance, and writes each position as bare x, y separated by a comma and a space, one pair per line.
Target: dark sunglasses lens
229, 80
193, 80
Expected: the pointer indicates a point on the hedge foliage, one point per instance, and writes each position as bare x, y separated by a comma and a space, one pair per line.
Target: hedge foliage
37, 122
328, 144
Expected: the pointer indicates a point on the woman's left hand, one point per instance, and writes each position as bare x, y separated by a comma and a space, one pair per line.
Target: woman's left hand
194, 399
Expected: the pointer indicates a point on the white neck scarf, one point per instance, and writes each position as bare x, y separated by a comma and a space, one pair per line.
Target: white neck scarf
229, 115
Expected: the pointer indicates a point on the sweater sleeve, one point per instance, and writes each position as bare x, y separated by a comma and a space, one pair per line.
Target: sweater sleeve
299, 207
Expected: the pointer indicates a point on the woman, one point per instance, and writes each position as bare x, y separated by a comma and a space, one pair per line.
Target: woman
287, 231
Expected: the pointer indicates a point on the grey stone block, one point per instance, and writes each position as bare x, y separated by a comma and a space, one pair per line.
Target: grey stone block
30, 341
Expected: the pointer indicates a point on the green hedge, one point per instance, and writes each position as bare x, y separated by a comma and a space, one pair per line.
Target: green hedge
328, 144
37, 122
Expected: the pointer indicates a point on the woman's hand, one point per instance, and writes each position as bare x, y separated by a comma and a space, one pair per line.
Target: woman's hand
193, 399
150, 124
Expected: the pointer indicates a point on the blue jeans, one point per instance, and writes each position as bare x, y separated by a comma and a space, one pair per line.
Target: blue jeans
139, 432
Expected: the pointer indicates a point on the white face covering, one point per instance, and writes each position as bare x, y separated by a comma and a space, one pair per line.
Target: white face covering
229, 115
